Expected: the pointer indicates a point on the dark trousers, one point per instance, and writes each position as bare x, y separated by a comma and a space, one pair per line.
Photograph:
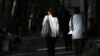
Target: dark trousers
68, 41
0, 46
50, 41
78, 46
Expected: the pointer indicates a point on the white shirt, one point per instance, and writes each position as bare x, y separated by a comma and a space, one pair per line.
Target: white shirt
70, 30
53, 24
78, 27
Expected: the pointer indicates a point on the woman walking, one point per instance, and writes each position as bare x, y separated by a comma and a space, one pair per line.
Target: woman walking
54, 31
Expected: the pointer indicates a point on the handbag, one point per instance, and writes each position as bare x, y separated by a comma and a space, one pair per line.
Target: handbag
46, 29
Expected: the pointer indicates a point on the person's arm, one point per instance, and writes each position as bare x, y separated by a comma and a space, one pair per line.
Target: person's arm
70, 26
57, 26
44, 20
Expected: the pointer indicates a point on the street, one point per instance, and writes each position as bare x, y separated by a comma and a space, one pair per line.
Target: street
36, 46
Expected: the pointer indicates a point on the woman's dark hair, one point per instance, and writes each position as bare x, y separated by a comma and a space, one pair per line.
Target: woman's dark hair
51, 11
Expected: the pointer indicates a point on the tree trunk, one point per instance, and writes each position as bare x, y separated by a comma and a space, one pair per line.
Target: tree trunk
1, 11
7, 13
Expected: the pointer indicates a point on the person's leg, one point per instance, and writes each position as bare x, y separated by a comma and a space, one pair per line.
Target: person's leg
50, 46
65, 40
0, 45
53, 46
76, 47
70, 42
81, 45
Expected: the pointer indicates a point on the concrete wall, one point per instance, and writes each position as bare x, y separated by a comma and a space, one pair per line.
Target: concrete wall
78, 3
75, 3
82, 5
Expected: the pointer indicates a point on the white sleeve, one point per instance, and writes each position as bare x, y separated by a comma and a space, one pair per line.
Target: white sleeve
44, 20
70, 23
70, 29
57, 24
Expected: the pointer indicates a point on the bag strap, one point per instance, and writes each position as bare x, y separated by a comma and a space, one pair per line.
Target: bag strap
49, 25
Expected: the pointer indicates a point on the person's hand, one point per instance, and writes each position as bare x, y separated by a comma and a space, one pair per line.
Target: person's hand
57, 32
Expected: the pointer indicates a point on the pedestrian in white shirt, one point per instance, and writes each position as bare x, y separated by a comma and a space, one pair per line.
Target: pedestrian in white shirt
77, 31
50, 39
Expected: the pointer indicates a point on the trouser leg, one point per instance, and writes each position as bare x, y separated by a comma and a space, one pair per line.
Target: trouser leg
65, 41
70, 41
78, 47
50, 46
